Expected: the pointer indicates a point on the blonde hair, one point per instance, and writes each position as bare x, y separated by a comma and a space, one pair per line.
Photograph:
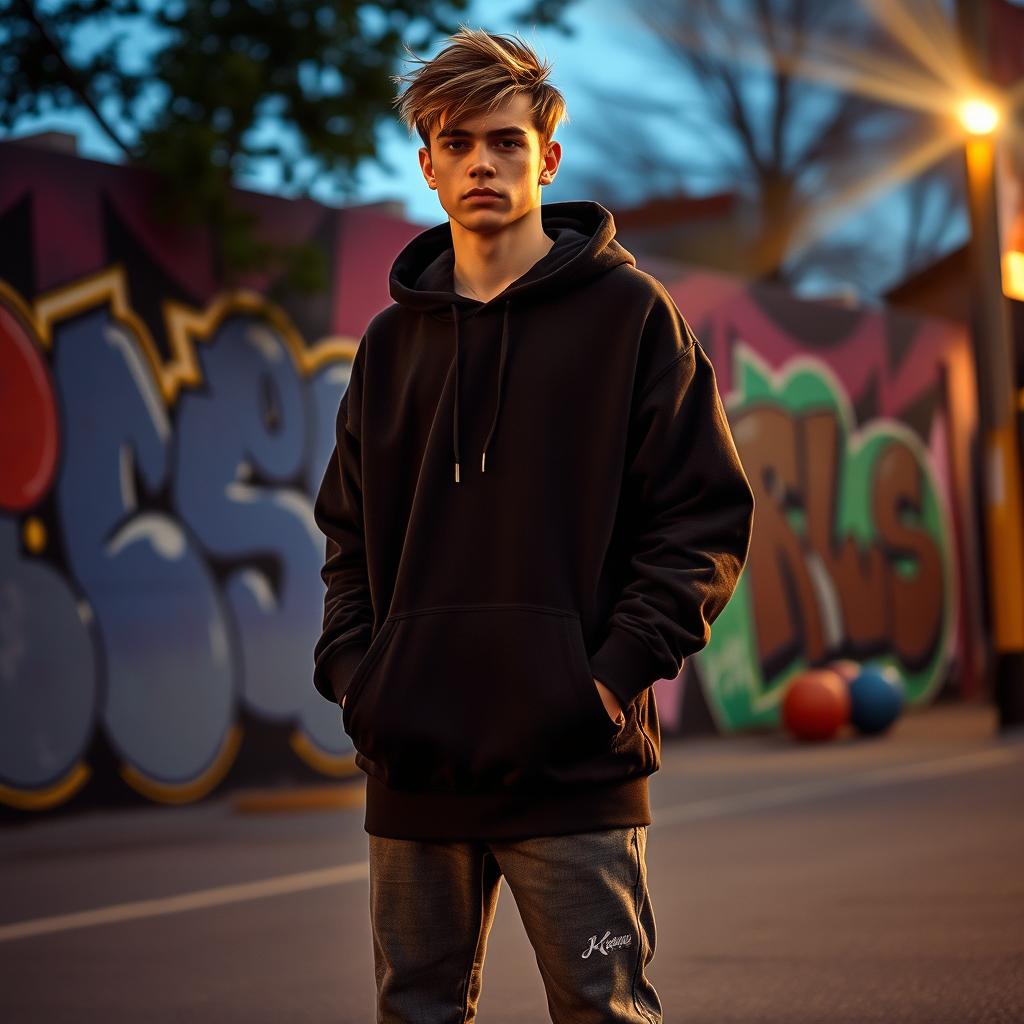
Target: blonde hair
476, 73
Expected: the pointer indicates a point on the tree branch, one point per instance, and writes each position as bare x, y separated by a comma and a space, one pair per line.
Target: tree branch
72, 79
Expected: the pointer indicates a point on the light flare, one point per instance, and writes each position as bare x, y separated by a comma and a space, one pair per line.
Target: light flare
937, 81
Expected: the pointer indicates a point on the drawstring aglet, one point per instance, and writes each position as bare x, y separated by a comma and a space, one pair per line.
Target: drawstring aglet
456, 472
483, 459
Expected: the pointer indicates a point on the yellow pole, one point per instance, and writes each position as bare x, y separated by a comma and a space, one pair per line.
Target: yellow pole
1004, 512
998, 410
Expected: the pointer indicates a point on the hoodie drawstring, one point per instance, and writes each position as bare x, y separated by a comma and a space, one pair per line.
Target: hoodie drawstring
501, 374
497, 403
455, 415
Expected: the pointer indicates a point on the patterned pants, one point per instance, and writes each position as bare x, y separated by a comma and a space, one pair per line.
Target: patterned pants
583, 901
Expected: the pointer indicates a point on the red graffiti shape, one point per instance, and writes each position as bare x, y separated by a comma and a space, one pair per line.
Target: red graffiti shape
28, 418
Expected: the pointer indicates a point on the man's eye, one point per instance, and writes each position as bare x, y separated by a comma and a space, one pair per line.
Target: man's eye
514, 143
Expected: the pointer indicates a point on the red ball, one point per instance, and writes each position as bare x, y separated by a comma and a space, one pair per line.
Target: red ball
816, 704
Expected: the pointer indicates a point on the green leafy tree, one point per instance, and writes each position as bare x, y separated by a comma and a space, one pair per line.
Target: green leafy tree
204, 91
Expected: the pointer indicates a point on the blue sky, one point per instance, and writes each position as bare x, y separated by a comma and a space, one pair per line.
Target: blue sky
607, 47
607, 50
605, 37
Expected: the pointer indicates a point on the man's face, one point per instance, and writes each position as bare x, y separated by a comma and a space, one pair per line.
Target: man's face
500, 151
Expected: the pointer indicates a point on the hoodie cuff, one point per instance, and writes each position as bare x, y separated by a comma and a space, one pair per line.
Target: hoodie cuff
334, 679
625, 665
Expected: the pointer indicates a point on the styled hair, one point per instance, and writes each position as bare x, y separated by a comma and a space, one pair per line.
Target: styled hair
476, 73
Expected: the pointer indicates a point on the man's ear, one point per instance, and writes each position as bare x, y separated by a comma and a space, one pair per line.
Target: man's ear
426, 165
549, 162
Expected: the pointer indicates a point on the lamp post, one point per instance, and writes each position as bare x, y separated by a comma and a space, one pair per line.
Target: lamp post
995, 368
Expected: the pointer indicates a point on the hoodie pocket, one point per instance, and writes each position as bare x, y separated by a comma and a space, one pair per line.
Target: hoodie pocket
365, 663
476, 698
581, 663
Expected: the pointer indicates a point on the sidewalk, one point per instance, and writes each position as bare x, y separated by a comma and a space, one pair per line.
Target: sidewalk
939, 730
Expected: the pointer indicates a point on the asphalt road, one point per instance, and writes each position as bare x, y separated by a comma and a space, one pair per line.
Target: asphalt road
861, 881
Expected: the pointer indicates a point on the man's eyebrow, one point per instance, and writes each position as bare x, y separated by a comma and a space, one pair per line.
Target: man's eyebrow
510, 130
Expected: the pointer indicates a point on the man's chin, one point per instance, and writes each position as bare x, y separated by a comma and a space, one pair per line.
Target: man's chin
483, 221
486, 221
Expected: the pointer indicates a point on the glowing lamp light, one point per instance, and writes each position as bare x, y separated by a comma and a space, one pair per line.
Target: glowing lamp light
978, 116
1013, 275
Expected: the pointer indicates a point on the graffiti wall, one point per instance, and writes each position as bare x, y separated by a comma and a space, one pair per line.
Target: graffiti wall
855, 427
162, 440
162, 444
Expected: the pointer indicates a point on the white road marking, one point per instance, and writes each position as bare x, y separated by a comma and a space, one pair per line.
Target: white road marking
776, 795
344, 873
197, 900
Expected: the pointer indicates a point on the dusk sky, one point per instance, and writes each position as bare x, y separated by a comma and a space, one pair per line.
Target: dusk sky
609, 48
609, 52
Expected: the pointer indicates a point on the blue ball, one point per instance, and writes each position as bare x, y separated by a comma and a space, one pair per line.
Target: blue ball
876, 699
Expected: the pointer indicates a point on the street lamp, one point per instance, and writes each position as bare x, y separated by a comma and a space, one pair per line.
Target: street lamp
994, 361
979, 116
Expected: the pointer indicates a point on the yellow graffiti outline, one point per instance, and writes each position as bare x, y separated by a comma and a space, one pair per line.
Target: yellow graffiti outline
336, 765
186, 326
194, 789
51, 796
12, 297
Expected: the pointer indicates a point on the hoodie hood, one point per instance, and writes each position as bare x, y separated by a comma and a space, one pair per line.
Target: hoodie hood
422, 279
585, 246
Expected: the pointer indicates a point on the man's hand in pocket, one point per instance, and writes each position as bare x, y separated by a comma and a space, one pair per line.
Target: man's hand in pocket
610, 701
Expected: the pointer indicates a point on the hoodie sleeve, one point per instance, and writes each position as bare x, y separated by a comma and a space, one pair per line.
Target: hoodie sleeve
687, 513
338, 511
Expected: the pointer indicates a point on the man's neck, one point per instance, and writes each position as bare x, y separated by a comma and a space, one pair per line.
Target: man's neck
486, 264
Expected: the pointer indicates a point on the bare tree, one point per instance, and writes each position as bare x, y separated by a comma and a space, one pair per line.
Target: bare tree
934, 200
883, 244
800, 150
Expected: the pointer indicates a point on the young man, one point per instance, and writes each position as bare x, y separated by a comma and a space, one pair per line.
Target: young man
534, 511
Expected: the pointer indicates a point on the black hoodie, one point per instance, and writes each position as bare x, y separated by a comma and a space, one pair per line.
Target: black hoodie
525, 495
